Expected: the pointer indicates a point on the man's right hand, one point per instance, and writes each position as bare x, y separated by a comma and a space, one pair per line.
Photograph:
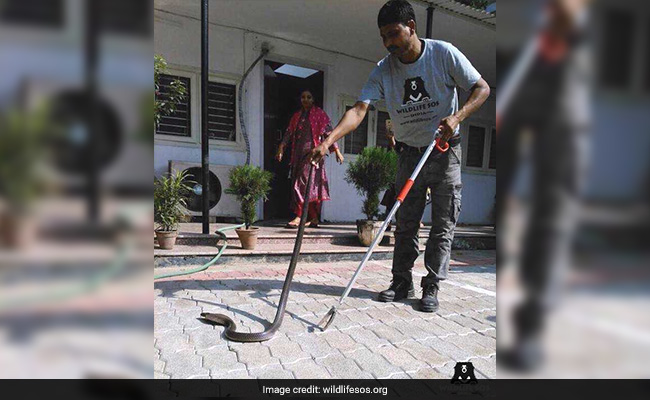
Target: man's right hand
350, 121
318, 153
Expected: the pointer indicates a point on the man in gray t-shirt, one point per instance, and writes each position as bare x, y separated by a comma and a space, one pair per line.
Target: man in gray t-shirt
418, 82
420, 94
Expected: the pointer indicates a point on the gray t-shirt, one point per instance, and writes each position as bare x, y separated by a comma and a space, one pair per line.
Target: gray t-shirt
420, 94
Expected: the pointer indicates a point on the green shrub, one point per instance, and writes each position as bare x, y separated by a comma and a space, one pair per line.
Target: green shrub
169, 199
373, 171
23, 152
176, 92
249, 184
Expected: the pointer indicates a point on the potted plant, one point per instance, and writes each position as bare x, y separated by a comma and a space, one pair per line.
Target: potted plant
250, 184
373, 171
22, 169
169, 199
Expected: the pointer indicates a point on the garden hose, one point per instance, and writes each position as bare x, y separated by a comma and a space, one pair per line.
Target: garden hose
85, 287
222, 236
113, 269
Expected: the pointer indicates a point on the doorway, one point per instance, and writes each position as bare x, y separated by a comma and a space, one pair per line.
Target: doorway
283, 84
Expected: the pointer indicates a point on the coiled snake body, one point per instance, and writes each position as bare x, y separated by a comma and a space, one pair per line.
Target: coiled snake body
229, 324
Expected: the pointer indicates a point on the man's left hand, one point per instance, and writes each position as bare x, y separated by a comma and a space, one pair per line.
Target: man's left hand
448, 126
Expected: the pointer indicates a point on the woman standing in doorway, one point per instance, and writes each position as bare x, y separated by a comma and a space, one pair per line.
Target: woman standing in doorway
307, 129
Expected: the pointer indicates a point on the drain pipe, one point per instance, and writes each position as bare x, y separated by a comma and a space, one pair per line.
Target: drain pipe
430, 21
242, 124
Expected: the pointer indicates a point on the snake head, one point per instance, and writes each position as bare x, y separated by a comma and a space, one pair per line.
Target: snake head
206, 315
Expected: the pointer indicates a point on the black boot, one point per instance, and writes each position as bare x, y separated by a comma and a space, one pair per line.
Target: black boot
525, 356
527, 353
399, 289
429, 302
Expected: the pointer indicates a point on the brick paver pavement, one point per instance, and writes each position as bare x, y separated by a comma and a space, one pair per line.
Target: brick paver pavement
368, 339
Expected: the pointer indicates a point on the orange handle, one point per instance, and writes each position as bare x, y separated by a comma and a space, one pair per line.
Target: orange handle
442, 149
405, 190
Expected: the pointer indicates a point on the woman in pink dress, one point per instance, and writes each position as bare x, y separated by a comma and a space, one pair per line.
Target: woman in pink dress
307, 129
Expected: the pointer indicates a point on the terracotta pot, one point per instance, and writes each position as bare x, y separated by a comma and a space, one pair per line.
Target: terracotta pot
17, 231
248, 237
367, 230
166, 239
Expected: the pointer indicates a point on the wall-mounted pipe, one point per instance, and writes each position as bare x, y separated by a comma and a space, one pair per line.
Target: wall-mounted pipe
240, 101
430, 10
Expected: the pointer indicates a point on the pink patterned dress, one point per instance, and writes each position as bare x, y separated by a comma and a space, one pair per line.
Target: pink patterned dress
307, 129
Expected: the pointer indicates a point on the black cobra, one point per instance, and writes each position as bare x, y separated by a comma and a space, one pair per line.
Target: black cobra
231, 329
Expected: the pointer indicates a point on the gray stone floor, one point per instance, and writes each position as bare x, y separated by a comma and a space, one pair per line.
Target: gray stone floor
368, 339
599, 330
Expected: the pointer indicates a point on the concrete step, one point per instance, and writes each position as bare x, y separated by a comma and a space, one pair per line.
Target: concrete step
334, 234
330, 242
184, 255
311, 251
196, 239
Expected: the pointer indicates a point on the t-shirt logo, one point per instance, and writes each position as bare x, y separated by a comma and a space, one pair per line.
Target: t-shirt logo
414, 91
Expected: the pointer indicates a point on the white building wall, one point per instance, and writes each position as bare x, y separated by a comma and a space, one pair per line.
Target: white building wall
232, 50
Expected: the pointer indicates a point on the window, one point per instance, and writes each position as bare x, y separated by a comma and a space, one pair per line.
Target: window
221, 111
128, 17
381, 139
357, 140
480, 148
493, 150
618, 49
475, 147
371, 131
179, 122
41, 13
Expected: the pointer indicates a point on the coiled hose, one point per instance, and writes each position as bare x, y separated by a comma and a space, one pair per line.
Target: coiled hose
222, 236
85, 287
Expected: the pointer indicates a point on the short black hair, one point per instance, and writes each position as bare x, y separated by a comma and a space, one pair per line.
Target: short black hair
395, 11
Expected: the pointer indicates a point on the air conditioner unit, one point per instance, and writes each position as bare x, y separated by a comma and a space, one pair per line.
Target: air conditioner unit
120, 151
221, 203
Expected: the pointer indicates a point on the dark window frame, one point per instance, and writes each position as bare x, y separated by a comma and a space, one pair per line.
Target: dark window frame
492, 152
187, 103
489, 149
15, 13
130, 18
474, 140
218, 116
380, 129
617, 56
348, 139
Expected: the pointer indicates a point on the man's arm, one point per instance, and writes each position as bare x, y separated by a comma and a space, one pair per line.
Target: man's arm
478, 94
350, 121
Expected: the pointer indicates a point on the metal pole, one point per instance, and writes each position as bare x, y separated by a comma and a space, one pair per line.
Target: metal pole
393, 211
205, 148
331, 314
430, 21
